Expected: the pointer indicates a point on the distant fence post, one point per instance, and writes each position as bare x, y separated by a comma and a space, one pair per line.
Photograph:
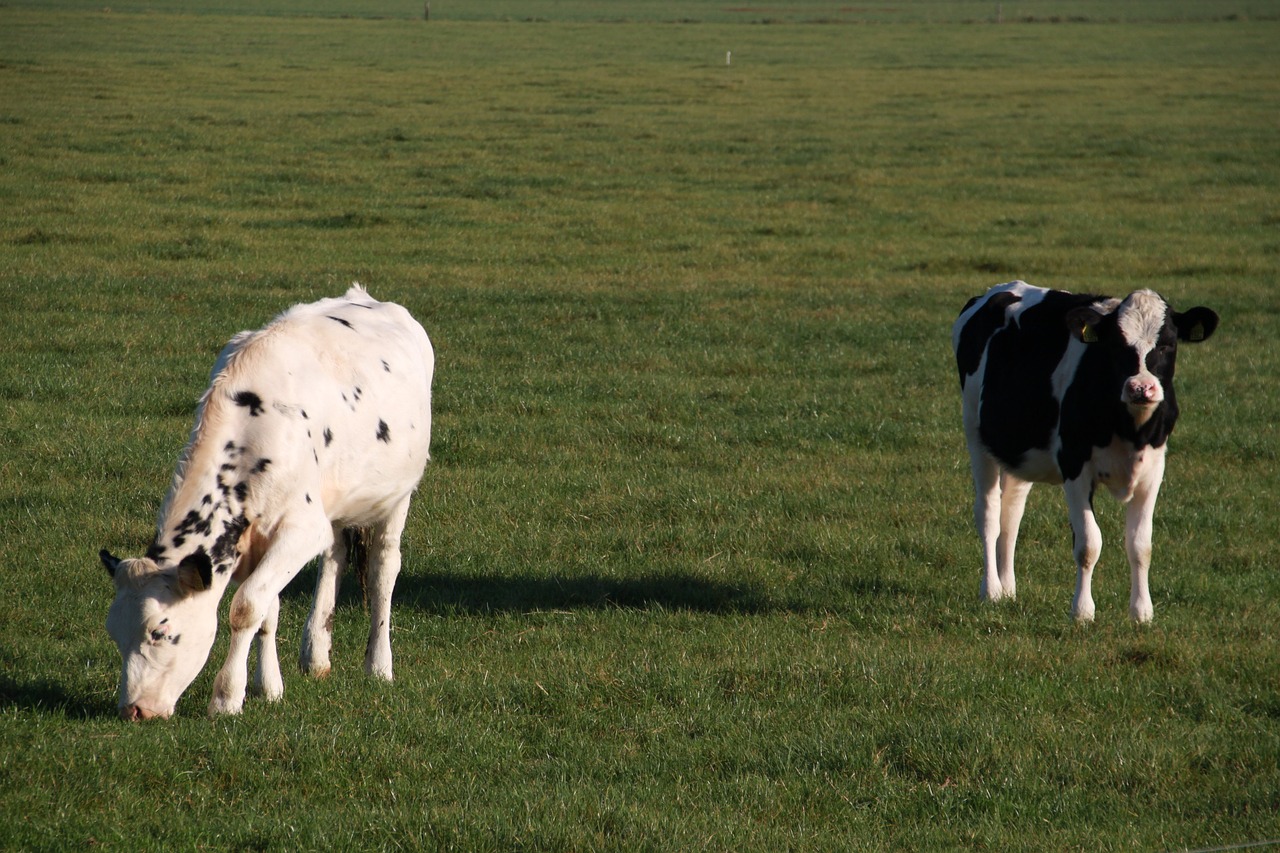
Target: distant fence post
999, 13
426, 10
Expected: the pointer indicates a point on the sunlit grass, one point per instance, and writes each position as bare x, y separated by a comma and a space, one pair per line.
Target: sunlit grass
693, 566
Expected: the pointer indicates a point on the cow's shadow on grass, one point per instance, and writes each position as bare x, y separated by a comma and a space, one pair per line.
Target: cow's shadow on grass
43, 695
449, 593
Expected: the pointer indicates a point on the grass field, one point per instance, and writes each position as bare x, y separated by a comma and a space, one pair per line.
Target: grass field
693, 567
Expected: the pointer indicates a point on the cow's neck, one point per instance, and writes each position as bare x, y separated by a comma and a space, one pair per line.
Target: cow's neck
206, 506
1153, 429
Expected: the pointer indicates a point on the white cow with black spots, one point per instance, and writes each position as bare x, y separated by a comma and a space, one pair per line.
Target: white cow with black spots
319, 422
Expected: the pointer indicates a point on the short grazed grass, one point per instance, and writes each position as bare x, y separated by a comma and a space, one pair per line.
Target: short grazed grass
693, 566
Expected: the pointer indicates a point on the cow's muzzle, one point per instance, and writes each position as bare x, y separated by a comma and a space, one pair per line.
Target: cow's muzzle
134, 713
1143, 391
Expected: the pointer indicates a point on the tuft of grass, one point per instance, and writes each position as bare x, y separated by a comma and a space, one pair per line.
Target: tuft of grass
693, 565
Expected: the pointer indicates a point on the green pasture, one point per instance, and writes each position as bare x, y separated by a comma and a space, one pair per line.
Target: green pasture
693, 567
699, 11
752, 12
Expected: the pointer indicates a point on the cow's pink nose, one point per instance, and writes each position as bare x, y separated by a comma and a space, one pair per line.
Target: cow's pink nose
1139, 390
133, 713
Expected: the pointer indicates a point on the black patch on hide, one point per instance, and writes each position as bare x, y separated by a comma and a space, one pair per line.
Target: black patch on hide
250, 401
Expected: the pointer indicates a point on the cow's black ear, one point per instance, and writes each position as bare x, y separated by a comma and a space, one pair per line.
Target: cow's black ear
195, 572
1195, 325
109, 561
1083, 323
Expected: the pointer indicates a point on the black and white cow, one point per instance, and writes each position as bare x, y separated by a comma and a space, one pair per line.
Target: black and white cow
1073, 389
318, 422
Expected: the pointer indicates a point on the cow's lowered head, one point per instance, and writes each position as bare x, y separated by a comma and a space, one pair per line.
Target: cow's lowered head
1140, 336
163, 619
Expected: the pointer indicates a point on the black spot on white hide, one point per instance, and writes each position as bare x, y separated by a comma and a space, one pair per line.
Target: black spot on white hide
250, 401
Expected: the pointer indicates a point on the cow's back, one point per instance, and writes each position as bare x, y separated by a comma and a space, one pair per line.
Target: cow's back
1014, 353
337, 394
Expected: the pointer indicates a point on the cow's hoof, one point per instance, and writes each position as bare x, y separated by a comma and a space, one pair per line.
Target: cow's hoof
992, 593
219, 707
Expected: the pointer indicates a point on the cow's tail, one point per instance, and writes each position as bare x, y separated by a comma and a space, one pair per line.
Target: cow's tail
356, 541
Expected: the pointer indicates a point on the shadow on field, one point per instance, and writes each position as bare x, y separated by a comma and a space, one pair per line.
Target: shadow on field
45, 696
447, 593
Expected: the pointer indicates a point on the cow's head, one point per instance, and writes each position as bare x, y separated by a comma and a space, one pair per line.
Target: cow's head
1141, 337
164, 620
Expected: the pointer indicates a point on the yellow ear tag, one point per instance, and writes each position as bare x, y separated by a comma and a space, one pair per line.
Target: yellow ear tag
1196, 333
1088, 334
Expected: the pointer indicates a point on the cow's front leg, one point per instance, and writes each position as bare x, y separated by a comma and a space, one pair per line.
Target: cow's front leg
1137, 544
229, 684
1087, 544
267, 682
290, 549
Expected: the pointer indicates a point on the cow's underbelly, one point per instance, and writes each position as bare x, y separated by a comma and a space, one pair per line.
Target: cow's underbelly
1037, 466
1122, 469
1119, 468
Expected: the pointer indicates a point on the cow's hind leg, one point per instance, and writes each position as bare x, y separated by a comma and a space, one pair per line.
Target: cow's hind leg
986, 518
1087, 544
384, 567
267, 681
317, 635
1013, 501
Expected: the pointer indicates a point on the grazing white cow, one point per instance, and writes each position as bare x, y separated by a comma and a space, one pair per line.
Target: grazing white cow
1074, 389
318, 422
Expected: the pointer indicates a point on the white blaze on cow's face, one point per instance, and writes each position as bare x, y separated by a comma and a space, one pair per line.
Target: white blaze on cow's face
1144, 327
164, 622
